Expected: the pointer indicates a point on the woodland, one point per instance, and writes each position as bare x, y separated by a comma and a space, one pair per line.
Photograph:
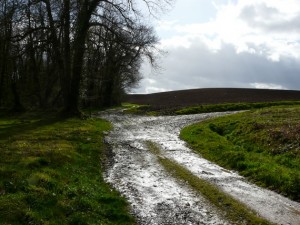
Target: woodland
73, 54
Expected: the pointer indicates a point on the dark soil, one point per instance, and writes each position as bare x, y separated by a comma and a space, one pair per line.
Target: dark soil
184, 98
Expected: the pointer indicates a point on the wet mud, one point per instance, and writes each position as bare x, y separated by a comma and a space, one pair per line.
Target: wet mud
156, 197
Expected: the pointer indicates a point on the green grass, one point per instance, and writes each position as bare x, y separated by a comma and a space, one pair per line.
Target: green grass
134, 108
51, 172
232, 107
232, 209
262, 145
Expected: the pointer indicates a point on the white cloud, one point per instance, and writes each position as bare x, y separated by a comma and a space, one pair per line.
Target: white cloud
257, 22
150, 89
151, 81
266, 86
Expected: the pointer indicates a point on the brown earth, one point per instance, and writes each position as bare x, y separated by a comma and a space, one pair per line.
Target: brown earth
193, 97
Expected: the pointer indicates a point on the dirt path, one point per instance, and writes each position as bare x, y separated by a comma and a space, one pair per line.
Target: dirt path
157, 198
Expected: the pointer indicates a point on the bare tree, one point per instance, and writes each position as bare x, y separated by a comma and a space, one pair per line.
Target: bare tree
56, 41
114, 54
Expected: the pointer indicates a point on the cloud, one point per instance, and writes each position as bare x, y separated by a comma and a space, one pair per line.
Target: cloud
197, 66
248, 44
246, 23
270, 19
266, 86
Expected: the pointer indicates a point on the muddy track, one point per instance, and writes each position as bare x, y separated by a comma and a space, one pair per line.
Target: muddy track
156, 197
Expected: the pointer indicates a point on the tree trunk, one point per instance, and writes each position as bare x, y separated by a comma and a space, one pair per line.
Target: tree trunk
82, 28
71, 106
35, 73
17, 107
2, 74
66, 76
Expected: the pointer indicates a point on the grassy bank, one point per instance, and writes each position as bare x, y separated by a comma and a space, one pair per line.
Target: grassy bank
263, 145
50, 173
232, 107
233, 210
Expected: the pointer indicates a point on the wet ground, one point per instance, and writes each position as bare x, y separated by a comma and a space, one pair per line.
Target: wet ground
156, 197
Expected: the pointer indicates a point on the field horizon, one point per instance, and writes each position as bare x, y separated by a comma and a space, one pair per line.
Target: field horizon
202, 96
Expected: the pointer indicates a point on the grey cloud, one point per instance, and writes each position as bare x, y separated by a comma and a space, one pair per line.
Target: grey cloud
269, 19
198, 67
250, 13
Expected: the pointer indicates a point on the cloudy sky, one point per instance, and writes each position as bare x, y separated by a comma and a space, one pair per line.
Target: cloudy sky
227, 43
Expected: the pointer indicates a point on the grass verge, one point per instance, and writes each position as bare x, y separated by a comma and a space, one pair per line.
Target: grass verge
51, 172
233, 210
262, 145
232, 107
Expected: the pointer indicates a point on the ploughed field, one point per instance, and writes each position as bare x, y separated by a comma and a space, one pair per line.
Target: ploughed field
185, 98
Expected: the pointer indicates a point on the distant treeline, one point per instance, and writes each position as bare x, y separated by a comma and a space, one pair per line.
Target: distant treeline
66, 53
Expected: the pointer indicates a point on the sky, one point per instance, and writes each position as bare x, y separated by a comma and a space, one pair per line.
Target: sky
227, 43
